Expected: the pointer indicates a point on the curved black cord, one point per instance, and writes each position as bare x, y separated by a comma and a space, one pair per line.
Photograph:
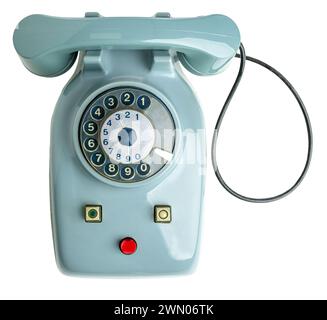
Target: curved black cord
243, 58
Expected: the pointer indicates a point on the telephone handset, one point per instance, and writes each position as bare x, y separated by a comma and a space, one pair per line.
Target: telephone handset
48, 46
127, 147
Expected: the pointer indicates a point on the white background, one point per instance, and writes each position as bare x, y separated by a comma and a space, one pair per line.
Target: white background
263, 251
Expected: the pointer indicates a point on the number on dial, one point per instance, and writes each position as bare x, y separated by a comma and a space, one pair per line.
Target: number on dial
90, 144
143, 102
111, 102
127, 98
127, 173
111, 169
143, 169
97, 113
90, 127
98, 159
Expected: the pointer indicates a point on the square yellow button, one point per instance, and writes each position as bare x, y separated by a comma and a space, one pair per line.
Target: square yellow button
162, 214
93, 213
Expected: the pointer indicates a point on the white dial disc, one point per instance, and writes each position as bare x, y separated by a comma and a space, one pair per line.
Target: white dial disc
127, 136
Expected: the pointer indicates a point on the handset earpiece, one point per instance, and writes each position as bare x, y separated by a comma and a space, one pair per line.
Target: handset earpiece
48, 46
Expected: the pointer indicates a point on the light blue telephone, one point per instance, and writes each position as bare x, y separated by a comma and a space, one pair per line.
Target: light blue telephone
125, 197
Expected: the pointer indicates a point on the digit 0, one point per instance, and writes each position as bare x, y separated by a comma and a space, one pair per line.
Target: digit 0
143, 169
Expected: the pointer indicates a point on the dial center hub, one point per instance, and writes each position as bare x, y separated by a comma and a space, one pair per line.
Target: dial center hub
127, 136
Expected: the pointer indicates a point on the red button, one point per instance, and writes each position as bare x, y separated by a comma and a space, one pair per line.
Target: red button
128, 246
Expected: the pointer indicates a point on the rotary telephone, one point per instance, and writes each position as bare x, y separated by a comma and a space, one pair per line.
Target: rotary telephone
126, 188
